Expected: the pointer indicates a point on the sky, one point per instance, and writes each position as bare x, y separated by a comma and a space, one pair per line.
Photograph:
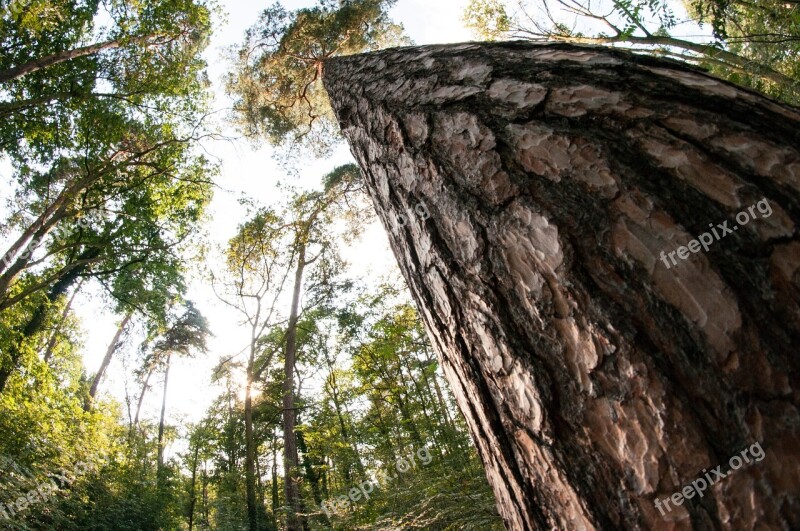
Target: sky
247, 171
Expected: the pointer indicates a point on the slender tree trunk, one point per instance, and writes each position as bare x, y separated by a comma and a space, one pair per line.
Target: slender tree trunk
596, 375
230, 430
308, 467
112, 348
163, 414
51, 344
274, 486
324, 482
291, 476
141, 397
205, 496
18, 256
444, 410
34, 324
422, 396
193, 495
262, 511
30, 67
337, 404
250, 446
407, 421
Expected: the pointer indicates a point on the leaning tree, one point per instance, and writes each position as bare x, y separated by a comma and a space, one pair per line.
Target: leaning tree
596, 376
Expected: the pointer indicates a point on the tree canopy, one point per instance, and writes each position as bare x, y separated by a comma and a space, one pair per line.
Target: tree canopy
277, 79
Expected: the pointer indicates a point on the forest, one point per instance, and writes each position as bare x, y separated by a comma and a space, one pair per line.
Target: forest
311, 265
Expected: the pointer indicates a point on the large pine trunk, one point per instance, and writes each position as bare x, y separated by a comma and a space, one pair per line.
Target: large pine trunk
529, 191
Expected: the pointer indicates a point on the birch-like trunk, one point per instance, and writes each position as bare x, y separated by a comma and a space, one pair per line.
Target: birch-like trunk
528, 192
112, 348
163, 417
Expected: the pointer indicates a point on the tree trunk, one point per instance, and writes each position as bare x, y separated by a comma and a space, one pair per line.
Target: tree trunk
337, 404
141, 397
161, 420
51, 344
250, 445
596, 375
312, 475
41, 63
274, 485
192, 494
205, 497
291, 476
34, 324
112, 348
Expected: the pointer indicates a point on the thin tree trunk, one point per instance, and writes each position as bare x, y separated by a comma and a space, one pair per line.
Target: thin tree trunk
112, 348
205, 496
30, 67
193, 496
18, 256
342, 426
51, 344
291, 487
445, 412
308, 467
260, 488
141, 396
161, 420
230, 428
34, 324
274, 486
597, 375
407, 421
250, 446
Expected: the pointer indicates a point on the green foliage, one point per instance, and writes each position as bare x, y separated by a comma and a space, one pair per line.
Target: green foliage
81, 104
109, 190
108, 183
489, 19
277, 76
186, 335
763, 33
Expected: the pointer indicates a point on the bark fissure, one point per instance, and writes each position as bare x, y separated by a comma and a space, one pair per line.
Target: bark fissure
593, 378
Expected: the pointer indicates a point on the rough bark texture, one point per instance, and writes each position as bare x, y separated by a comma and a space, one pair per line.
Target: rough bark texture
595, 379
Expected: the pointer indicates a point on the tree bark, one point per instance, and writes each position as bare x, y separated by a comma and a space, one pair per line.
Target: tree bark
596, 376
192, 494
291, 472
51, 343
141, 397
274, 484
112, 348
312, 475
34, 325
250, 444
16, 72
333, 387
161, 419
